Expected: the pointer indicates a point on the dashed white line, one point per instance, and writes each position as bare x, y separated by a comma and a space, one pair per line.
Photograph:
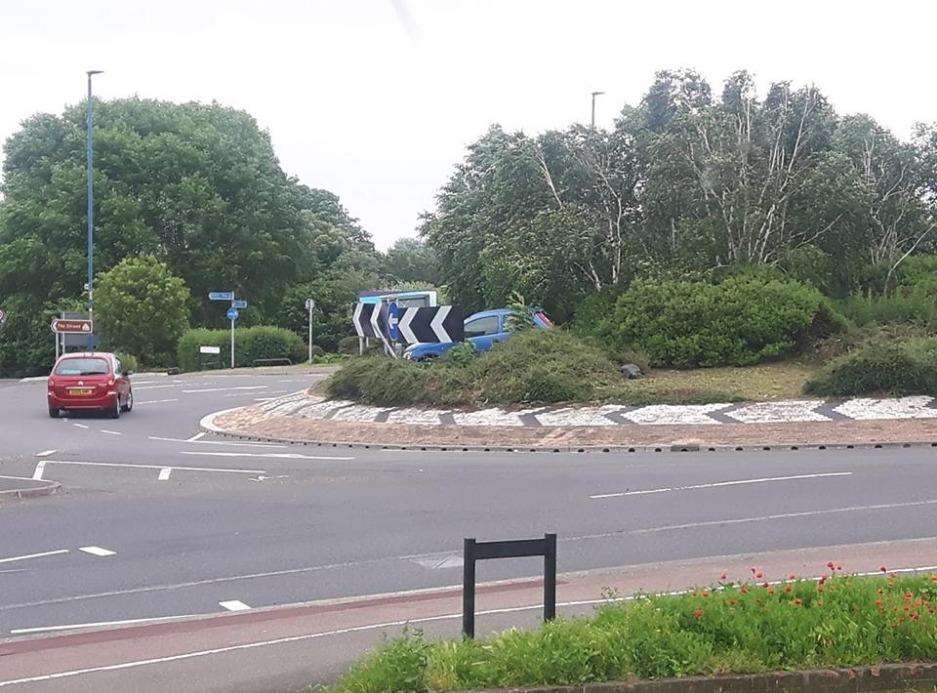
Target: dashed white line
234, 605
718, 484
164, 474
97, 551
40, 468
127, 465
225, 389
156, 401
46, 453
11, 559
197, 436
277, 455
111, 433
80, 425
219, 442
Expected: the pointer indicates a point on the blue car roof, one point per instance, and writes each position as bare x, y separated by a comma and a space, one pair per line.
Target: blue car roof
489, 313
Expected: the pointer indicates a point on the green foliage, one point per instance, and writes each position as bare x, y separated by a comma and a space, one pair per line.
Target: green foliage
140, 307
733, 628
522, 315
535, 366
348, 345
903, 368
409, 260
250, 343
129, 361
461, 354
740, 321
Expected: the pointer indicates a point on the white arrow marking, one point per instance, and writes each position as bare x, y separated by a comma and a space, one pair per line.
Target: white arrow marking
164, 474
40, 468
358, 308
97, 551
234, 605
404, 326
436, 324
46, 453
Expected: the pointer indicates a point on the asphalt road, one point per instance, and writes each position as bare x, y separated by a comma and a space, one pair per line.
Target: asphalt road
156, 520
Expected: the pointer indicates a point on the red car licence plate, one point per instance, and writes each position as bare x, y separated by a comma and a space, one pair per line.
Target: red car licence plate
79, 391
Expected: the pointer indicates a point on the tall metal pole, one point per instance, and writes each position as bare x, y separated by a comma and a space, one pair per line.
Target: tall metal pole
310, 333
594, 94
90, 158
232, 344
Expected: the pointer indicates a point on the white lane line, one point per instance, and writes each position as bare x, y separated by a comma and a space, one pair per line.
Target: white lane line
40, 469
745, 520
219, 442
197, 436
176, 468
164, 474
111, 433
225, 389
76, 626
11, 559
154, 387
718, 484
342, 631
80, 425
97, 551
46, 453
277, 455
234, 605
156, 401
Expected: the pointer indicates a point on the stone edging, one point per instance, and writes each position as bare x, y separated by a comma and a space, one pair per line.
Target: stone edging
884, 677
45, 488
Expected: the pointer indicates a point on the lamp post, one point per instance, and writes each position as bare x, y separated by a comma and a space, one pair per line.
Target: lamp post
90, 157
594, 94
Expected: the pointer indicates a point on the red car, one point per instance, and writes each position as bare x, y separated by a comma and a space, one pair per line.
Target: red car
90, 381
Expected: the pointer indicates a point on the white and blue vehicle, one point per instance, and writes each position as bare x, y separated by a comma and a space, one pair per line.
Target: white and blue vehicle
483, 330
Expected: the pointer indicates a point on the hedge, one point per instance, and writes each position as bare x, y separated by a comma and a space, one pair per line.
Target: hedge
738, 322
905, 368
250, 343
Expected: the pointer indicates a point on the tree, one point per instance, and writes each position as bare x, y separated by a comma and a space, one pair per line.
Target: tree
410, 260
141, 309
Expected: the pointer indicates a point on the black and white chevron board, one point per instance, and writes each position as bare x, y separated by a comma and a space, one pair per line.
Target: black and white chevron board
436, 324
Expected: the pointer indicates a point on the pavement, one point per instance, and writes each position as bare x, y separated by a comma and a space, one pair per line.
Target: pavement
305, 417
157, 519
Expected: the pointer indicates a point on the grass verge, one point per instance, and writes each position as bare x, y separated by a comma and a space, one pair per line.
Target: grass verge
839, 621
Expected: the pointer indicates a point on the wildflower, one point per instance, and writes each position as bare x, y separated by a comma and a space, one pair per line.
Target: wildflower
698, 614
791, 576
883, 569
723, 577
798, 602
788, 589
831, 565
704, 594
821, 580
760, 574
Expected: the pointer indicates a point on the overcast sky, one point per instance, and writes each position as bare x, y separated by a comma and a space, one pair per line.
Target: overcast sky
377, 99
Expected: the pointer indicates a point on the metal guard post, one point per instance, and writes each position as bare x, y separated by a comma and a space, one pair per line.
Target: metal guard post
479, 551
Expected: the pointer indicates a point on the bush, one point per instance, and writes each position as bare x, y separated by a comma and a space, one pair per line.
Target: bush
735, 628
250, 343
348, 345
129, 362
908, 368
740, 322
379, 380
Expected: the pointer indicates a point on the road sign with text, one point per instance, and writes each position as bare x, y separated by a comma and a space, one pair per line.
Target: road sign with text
239, 303
62, 326
221, 296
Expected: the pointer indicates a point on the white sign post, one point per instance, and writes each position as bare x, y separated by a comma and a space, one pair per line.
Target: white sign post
310, 304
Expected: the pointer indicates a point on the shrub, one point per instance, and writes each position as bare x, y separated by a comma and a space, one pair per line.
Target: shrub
129, 362
740, 321
734, 628
250, 343
379, 380
348, 345
908, 368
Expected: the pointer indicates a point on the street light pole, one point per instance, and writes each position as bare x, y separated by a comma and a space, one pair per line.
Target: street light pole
594, 94
90, 157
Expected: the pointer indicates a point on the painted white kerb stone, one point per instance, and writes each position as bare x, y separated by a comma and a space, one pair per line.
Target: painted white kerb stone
669, 414
903, 408
779, 412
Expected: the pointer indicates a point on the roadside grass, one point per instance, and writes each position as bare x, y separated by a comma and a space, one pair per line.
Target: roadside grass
767, 381
838, 621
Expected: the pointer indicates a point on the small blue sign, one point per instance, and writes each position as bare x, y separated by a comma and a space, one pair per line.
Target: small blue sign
232, 314
238, 303
393, 317
221, 296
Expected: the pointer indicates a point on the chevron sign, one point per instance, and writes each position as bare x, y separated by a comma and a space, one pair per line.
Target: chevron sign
437, 324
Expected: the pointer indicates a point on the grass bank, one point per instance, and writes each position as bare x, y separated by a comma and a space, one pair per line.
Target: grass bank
734, 628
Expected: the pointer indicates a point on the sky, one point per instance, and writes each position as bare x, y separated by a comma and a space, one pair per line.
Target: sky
376, 100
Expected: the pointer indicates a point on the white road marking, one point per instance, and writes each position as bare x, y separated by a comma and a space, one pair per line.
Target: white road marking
40, 468
164, 474
97, 551
155, 401
158, 466
234, 605
740, 482
33, 555
197, 436
154, 387
340, 631
219, 442
226, 389
111, 433
46, 453
745, 520
76, 626
80, 426
278, 455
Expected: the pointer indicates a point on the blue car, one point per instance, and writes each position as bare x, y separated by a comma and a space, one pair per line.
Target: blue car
482, 329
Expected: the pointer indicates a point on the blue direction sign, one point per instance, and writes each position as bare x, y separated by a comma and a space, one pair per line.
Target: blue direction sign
238, 303
232, 314
221, 296
393, 318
